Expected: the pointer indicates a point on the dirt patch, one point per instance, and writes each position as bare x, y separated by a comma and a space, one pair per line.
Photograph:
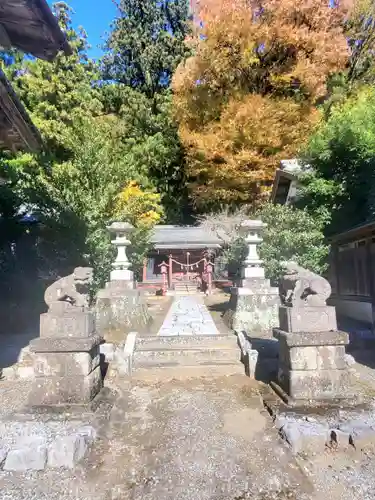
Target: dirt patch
217, 304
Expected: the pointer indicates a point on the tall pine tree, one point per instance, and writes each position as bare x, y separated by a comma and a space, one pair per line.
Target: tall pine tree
147, 43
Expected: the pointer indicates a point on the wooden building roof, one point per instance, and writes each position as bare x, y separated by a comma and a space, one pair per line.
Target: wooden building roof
183, 238
30, 26
16, 128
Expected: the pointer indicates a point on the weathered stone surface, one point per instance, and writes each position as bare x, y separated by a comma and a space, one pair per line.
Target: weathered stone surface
255, 313
30, 455
314, 384
73, 323
305, 339
188, 315
66, 364
362, 434
307, 319
58, 345
3, 454
309, 437
313, 358
66, 451
66, 390
120, 308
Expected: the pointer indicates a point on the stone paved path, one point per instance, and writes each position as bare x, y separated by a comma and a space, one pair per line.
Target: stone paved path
188, 316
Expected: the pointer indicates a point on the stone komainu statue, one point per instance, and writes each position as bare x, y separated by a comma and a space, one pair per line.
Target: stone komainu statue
301, 287
72, 290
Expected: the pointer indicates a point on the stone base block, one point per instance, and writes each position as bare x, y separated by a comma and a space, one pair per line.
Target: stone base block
312, 365
56, 390
307, 319
123, 277
314, 384
252, 311
70, 324
118, 308
61, 364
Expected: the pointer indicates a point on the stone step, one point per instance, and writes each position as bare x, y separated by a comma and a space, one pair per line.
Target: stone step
186, 356
196, 340
183, 372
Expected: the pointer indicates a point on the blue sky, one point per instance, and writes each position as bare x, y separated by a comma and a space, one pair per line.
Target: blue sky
95, 16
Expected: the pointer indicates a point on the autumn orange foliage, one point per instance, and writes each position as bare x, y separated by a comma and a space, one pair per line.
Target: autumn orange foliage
247, 97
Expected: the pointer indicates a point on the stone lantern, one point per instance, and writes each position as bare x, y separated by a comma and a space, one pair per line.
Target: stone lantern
121, 265
252, 265
253, 306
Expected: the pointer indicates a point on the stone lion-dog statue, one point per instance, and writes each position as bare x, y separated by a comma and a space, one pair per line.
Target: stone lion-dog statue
71, 291
300, 287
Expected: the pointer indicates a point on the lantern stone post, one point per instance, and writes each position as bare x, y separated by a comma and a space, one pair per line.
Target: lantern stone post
254, 303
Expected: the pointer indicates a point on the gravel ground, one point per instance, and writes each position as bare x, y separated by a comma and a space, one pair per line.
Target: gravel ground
196, 439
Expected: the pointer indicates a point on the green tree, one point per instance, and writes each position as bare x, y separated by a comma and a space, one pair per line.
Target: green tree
341, 154
146, 43
292, 234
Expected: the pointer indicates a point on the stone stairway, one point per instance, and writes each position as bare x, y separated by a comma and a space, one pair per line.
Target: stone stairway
185, 287
181, 356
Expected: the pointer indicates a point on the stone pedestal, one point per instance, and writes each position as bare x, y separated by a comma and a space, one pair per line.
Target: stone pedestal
66, 358
312, 364
254, 308
120, 308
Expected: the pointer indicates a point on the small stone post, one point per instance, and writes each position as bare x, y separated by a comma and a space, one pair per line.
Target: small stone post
253, 304
119, 306
312, 362
66, 356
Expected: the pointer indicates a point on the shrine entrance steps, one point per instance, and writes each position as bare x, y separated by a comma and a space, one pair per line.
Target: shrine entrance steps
188, 343
185, 356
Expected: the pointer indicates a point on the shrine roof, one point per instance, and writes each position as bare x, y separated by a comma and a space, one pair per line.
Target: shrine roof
29, 25
183, 237
16, 128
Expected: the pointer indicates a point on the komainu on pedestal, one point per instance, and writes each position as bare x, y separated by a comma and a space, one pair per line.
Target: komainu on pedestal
312, 362
66, 355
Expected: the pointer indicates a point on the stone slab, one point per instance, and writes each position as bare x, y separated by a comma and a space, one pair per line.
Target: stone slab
188, 316
311, 338
65, 390
29, 456
50, 364
67, 451
70, 324
314, 385
58, 345
307, 319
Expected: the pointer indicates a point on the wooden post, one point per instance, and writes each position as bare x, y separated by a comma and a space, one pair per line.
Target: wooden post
209, 272
144, 273
170, 269
164, 273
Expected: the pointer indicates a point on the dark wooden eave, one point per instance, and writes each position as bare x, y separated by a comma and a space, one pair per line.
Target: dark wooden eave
30, 26
17, 132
